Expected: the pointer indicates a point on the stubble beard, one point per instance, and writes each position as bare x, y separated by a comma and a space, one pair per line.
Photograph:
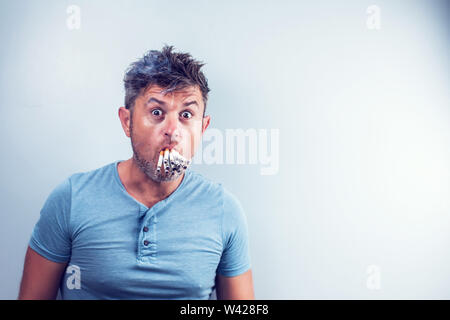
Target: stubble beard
148, 167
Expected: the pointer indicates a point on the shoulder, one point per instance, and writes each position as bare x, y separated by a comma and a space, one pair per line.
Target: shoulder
233, 210
210, 191
204, 187
60, 195
80, 180
234, 221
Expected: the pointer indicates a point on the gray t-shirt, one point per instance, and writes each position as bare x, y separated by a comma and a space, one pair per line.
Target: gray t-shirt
117, 248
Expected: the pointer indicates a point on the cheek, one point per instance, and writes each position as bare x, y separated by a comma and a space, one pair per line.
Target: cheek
146, 123
144, 137
192, 139
146, 126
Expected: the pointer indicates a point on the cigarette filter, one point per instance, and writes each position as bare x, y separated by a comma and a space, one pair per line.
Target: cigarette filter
166, 160
172, 162
160, 160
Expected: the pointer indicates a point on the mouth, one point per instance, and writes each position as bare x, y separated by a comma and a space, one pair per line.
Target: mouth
171, 162
168, 146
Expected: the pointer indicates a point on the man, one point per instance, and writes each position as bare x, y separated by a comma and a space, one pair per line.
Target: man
148, 227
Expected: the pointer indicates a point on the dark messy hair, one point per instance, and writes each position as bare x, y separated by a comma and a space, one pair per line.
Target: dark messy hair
169, 70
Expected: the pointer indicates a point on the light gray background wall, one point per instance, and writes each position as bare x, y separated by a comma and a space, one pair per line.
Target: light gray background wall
363, 118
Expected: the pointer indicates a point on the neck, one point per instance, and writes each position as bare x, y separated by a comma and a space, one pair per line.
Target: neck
138, 182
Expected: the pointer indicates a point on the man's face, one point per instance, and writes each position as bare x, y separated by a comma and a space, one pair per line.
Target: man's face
173, 120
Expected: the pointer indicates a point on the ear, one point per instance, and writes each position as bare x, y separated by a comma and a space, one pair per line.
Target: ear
205, 123
124, 116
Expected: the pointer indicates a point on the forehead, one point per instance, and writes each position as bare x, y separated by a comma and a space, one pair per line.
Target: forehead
192, 93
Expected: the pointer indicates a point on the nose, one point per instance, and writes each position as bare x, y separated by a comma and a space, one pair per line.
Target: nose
171, 127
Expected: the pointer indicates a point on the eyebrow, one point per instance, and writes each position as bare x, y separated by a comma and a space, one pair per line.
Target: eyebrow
152, 99
191, 102
156, 100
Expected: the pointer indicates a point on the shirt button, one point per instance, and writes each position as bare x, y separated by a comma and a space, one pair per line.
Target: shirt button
146, 243
145, 229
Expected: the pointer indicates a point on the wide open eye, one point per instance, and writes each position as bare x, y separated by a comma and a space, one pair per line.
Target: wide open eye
157, 112
186, 114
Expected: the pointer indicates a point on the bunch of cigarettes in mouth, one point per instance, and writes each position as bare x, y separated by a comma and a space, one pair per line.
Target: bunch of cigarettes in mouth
172, 161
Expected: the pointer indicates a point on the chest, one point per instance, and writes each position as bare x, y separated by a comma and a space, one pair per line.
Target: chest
172, 253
